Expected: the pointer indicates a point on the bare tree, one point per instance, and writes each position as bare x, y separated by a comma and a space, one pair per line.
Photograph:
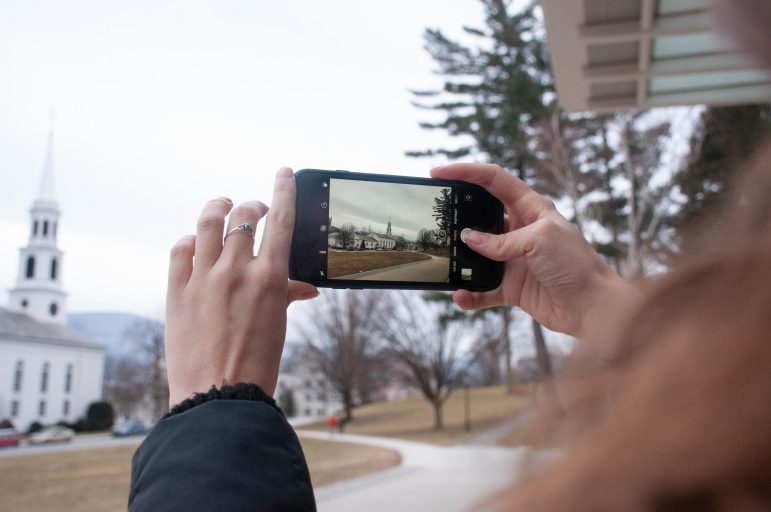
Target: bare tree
148, 338
340, 334
422, 336
425, 239
125, 384
347, 235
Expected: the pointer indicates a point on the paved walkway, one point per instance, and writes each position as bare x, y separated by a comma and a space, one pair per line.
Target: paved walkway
446, 479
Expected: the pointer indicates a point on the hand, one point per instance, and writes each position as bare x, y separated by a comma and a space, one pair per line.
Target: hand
550, 270
226, 310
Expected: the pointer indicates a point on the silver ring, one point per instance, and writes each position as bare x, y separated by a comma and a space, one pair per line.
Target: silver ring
245, 227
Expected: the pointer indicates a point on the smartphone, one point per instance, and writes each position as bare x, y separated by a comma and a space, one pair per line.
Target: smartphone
362, 230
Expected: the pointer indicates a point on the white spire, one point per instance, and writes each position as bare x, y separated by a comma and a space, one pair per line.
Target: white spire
47, 182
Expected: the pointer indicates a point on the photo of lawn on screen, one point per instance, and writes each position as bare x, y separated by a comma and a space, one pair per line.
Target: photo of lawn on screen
389, 231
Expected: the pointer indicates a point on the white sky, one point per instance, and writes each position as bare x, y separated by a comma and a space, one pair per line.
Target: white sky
162, 105
364, 204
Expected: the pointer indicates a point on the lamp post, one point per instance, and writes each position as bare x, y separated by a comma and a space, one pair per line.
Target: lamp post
466, 406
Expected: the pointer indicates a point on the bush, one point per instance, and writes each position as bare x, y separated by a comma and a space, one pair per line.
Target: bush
100, 416
6, 423
36, 426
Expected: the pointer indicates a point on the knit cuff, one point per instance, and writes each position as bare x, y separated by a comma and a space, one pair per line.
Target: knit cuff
240, 391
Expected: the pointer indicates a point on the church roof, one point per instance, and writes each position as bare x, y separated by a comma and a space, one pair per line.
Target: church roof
22, 327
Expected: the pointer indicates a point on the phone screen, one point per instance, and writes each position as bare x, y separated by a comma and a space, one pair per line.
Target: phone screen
369, 231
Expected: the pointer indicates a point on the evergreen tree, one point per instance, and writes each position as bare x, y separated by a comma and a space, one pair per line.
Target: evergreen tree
725, 137
494, 94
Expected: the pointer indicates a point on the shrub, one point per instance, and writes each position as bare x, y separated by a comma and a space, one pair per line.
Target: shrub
100, 416
36, 426
6, 423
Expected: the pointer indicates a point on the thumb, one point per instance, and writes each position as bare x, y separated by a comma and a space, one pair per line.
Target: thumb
502, 247
297, 290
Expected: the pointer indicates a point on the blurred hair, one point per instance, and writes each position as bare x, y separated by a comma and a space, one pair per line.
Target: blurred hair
677, 415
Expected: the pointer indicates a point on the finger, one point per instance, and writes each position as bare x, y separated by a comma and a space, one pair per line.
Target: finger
277, 238
208, 240
297, 290
513, 244
526, 203
240, 243
181, 264
477, 300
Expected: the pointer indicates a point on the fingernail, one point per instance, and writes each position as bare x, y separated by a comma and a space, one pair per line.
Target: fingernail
469, 236
309, 295
285, 172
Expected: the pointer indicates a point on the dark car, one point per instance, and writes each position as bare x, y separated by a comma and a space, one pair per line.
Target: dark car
129, 428
9, 437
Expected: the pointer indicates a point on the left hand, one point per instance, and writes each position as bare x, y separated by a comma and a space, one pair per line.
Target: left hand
226, 310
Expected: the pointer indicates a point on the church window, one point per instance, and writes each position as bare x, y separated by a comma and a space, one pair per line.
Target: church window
24, 303
68, 379
34, 228
30, 271
66, 408
17, 376
45, 228
53, 269
44, 378
54, 229
41, 408
53, 308
15, 408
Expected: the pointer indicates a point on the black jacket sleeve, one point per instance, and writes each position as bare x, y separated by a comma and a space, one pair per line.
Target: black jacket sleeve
222, 455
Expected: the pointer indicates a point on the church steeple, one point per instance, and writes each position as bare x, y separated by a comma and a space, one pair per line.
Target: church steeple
38, 291
388, 229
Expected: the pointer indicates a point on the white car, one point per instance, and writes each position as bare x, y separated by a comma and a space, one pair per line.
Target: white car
51, 435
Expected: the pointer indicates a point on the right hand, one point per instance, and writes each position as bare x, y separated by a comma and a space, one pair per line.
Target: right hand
550, 270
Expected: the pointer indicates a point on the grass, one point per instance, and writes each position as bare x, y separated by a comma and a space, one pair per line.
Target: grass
97, 479
343, 263
412, 418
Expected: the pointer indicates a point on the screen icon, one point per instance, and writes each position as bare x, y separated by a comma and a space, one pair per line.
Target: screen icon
324, 184
323, 228
322, 273
465, 274
323, 204
468, 197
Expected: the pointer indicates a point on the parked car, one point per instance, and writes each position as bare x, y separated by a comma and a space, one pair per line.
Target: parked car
54, 434
9, 437
129, 428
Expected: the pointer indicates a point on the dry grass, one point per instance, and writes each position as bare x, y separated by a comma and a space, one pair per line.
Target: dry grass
98, 479
331, 462
412, 418
343, 263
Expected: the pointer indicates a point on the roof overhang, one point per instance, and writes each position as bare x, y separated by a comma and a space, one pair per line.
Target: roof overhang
610, 55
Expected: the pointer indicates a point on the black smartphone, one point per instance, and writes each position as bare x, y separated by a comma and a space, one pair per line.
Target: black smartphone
361, 230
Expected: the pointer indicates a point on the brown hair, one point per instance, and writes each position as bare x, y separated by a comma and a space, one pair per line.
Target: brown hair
689, 387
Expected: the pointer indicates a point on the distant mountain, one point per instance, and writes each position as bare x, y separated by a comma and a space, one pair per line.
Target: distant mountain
108, 329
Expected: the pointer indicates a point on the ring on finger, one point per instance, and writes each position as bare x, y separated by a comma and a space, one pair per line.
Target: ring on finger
245, 227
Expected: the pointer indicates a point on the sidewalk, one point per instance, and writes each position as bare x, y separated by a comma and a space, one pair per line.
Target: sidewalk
431, 477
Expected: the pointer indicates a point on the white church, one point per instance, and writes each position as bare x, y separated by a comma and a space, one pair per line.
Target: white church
48, 372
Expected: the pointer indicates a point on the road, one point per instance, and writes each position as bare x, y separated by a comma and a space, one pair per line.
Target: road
446, 478
78, 443
435, 270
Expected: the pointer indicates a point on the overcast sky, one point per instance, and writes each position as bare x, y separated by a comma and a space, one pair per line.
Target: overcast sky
162, 105
367, 204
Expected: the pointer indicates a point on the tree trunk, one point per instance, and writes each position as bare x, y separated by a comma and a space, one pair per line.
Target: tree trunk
506, 319
542, 357
348, 405
438, 418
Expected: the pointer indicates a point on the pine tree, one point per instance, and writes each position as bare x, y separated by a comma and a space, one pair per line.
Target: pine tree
495, 93
725, 137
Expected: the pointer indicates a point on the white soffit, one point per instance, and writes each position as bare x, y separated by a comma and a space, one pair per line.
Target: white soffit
612, 55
